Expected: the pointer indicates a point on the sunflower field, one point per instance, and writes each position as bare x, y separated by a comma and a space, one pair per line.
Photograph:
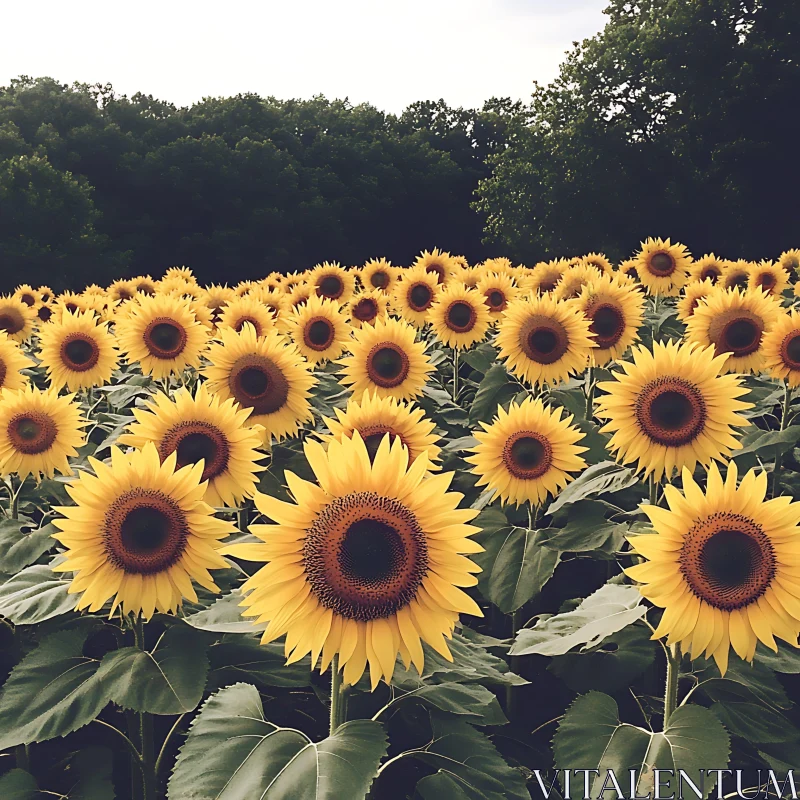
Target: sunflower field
437, 532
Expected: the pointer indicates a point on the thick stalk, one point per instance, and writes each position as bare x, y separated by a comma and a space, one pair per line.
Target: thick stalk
589, 393
671, 689
145, 731
337, 697
23, 757
776, 472
653, 486
455, 374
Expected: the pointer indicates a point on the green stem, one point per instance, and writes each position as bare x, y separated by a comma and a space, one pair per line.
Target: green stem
130, 746
23, 757
671, 690
513, 665
455, 374
589, 394
13, 510
653, 486
243, 517
145, 730
337, 697
776, 472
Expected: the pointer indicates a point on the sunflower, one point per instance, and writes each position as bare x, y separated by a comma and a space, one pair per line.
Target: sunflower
614, 313
734, 322
44, 312
122, 289
144, 284
663, 267
498, 291
72, 302
459, 317
292, 279
378, 273
45, 294
499, 266
723, 566
139, 533
12, 362
16, 318
183, 273
527, 453
39, 431
274, 300
790, 261
573, 280
414, 294
709, 267
629, 269
672, 408
366, 307
781, 349
272, 282
366, 565
264, 374
769, 277
543, 340
374, 416
78, 352
599, 261
319, 329
386, 359
27, 294
470, 276
162, 334
298, 296
206, 428
544, 277
178, 286
215, 298
437, 262
332, 282
693, 293
736, 274
243, 288
245, 309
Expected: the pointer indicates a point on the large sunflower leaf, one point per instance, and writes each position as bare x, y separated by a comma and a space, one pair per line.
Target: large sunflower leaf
91, 771
233, 753
237, 658
610, 609
591, 737
169, 680
606, 477
224, 615
496, 388
53, 691
471, 702
587, 529
765, 444
18, 785
34, 595
19, 547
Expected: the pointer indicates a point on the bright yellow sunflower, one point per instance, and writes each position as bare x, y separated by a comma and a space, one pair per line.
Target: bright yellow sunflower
378, 273
144, 284
44, 313
25, 293
12, 362
16, 318
298, 296
790, 261
39, 432
672, 408
498, 291
73, 302
459, 317
366, 307
274, 300
734, 322
366, 565
46, 294
543, 340
499, 266
414, 293
241, 310
693, 293
267, 375
573, 280
599, 261
781, 349
77, 352
121, 290
386, 358
162, 335
768, 276
470, 276
438, 263
736, 274
544, 277
319, 330
723, 566
184, 273
207, 428
139, 533
629, 269
527, 453
663, 267
215, 298
709, 268
614, 313
374, 416
333, 282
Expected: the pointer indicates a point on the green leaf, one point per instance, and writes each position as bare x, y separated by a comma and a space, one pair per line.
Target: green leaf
480, 358
92, 770
239, 658
586, 529
590, 736
756, 723
232, 751
18, 549
765, 445
610, 609
18, 785
224, 616
786, 660
606, 477
471, 702
751, 682
496, 388
53, 691
515, 566
34, 595
471, 761
167, 681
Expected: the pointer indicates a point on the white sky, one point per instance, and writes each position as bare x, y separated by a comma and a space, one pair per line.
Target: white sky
388, 54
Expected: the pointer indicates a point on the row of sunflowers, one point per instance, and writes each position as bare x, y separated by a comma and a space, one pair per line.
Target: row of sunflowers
277, 539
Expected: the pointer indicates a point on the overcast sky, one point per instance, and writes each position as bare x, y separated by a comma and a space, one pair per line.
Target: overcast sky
388, 54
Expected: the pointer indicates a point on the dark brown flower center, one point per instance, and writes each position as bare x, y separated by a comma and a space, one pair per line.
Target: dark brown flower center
44, 313
710, 272
496, 299
145, 287
662, 264
365, 310
737, 331
365, 556
790, 350
11, 321
671, 411
193, 441
28, 299
145, 531
373, 436
71, 307
379, 279
387, 365
420, 297
727, 560
527, 455
437, 269
318, 334
607, 324
79, 352
165, 338
32, 432
543, 339
3, 372
736, 279
331, 286
257, 382
242, 321
548, 284
460, 317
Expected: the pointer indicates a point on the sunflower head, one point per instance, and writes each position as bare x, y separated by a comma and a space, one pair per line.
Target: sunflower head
365, 564
544, 277
16, 318
437, 263
790, 261
122, 290
671, 408
663, 267
693, 293
247, 309
319, 330
367, 307
720, 564
414, 293
768, 277
736, 274
573, 280
708, 268
25, 293
332, 282
599, 261
459, 316
781, 349
498, 291
378, 274
12, 362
